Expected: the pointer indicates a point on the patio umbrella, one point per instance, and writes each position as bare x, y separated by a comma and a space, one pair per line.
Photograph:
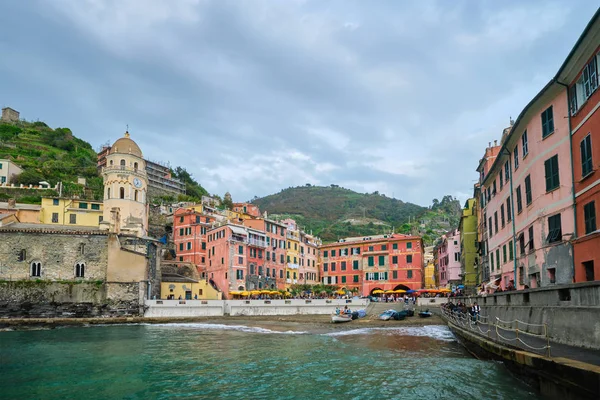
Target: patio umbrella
411, 291
388, 292
378, 291
399, 291
245, 293
235, 292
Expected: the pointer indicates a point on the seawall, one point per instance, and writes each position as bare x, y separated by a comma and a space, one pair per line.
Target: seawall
555, 378
570, 312
206, 308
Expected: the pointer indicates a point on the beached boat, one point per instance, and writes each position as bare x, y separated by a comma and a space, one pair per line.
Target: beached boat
341, 318
425, 314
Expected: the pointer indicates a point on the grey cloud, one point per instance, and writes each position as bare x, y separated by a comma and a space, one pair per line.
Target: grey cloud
255, 96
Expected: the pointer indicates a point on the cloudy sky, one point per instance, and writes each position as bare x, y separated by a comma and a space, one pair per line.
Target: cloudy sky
252, 96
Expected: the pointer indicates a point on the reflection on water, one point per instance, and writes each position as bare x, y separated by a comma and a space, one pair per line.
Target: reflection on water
200, 361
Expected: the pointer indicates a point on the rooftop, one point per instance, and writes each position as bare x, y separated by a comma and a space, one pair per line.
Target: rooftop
20, 206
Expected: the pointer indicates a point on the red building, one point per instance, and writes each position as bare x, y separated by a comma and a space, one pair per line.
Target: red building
189, 236
580, 71
227, 258
381, 262
247, 209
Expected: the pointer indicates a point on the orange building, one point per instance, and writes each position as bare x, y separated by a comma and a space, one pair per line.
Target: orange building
380, 262
273, 262
580, 72
189, 236
227, 258
247, 209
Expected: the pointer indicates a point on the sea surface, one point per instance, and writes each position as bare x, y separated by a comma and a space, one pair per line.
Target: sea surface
213, 361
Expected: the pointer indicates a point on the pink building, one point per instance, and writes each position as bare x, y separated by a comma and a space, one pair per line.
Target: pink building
309, 259
227, 258
528, 198
189, 236
449, 259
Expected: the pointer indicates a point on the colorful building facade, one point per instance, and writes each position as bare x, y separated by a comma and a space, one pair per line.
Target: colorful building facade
379, 262
581, 71
449, 260
468, 244
75, 212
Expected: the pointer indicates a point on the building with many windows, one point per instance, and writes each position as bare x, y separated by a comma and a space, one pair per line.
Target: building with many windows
75, 212
580, 72
378, 262
449, 267
468, 245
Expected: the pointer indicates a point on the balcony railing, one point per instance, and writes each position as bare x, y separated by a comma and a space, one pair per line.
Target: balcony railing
124, 168
293, 266
288, 280
257, 243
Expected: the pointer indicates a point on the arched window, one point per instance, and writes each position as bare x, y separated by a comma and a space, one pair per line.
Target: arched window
108, 193
36, 268
111, 163
135, 166
82, 248
22, 255
122, 163
80, 270
122, 193
135, 195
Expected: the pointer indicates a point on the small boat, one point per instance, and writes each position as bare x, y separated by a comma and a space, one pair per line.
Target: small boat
425, 314
387, 315
341, 318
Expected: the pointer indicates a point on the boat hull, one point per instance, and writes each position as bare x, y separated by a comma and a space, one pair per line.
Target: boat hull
339, 318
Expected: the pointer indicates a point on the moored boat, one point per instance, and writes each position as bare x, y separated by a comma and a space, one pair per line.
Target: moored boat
341, 318
425, 314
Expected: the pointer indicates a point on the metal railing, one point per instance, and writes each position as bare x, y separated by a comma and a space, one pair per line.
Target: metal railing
492, 328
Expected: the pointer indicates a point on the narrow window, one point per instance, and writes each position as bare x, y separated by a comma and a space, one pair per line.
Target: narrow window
519, 200
409, 259
528, 197
80, 270
589, 215
585, 146
531, 246
108, 193
82, 249
502, 215
508, 212
36, 269
552, 179
504, 254
547, 122
516, 157
122, 193
122, 164
54, 218
135, 195
524, 144
496, 222
72, 218
135, 166
22, 255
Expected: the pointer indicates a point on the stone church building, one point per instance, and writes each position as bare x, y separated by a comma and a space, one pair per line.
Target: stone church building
112, 268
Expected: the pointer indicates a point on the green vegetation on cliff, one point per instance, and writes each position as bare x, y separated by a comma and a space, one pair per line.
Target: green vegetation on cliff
333, 212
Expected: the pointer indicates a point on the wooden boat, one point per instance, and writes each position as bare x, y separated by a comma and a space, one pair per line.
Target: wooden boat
335, 318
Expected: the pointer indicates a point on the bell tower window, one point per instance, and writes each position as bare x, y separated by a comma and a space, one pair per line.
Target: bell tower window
135, 195
122, 164
122, 193
36, 269
135, 166
108, 193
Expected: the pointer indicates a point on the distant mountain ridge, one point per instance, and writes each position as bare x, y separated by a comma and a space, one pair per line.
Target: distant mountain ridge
333, 212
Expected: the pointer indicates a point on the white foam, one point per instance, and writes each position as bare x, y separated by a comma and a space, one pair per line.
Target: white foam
223, 327
439, 332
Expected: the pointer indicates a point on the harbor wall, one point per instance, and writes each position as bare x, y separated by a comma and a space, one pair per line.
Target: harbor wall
554, 378
570, 312
212, 308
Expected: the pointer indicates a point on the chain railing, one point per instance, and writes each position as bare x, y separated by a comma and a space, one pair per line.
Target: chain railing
492, 328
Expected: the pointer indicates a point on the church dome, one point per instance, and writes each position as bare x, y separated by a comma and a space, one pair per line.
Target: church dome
125, 145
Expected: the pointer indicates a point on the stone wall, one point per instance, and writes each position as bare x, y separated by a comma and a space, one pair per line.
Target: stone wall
571, 312
57, 253
48, 299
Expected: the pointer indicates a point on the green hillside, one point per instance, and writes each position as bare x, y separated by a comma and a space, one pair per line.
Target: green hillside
333, 212
56, 155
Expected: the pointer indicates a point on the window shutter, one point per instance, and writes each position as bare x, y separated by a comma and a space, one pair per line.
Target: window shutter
547, 167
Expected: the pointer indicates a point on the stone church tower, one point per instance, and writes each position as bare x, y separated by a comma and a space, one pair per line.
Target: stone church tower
125, 189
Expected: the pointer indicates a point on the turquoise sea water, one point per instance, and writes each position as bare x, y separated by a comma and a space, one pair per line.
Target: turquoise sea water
187, 361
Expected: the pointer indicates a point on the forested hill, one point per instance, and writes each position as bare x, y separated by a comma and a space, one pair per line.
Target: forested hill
333, 212
57, 155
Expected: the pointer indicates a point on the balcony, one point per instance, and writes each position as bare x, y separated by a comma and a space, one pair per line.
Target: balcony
124, 168
257, 243
293, 266
288, 280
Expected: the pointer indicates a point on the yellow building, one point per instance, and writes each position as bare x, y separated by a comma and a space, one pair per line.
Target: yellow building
429, 275
76, 212
180, 287
292, 266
